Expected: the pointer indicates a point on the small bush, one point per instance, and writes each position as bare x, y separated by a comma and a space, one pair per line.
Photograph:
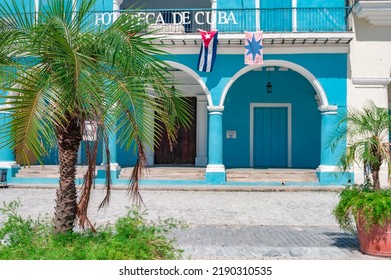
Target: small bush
373, 205
131, 238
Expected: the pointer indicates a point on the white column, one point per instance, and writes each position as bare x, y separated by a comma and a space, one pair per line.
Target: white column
294, 15
214, 15
116, 8
202, 128
258, 14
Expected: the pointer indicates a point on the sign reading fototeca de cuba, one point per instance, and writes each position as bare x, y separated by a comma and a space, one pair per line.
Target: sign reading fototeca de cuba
183, 17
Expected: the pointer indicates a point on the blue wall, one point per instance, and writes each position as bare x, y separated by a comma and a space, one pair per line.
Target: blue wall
288, 87
28, 4
329, 69
320, 3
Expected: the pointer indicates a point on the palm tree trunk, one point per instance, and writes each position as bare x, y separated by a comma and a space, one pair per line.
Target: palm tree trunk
375, 177
66, 203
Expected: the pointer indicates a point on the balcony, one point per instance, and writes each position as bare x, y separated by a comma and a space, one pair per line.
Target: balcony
276, 20
280, 25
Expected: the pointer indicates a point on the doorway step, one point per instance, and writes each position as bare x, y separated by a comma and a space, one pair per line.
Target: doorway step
271, 175
167, 173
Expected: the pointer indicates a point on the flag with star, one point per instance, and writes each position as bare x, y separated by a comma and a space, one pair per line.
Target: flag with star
253, 48
207, 56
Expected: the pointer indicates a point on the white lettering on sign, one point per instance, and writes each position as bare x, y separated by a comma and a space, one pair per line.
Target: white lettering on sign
159, 19
200, 18
223, 19
103, 18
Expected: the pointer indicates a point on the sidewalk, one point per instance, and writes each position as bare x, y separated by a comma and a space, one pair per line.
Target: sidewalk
240, 224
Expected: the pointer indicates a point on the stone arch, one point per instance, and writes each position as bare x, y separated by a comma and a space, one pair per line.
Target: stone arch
201, 114
323, 103
193, 74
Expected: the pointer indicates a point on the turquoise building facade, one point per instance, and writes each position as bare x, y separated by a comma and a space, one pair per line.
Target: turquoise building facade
238, 123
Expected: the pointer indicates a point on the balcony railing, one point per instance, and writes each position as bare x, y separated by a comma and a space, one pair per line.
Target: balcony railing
239, 20
276, 20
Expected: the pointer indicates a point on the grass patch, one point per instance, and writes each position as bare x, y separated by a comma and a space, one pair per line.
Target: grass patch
130, 238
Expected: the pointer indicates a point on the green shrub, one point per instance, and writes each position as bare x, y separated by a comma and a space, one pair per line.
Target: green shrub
131, 237
373, 205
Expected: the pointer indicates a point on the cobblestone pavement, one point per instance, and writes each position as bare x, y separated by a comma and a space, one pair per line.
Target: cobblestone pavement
225, 224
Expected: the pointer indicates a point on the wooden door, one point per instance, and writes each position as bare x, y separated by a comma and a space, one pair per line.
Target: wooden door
184, 150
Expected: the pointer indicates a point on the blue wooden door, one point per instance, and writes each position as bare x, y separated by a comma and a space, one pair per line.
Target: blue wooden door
271, 137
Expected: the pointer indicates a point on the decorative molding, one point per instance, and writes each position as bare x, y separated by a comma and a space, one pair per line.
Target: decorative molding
113, 166
328, 109
215, 168
117, 2
328, 168
193, 74
9, 164
321, 94
216, 109
289, 38
371, 81
375, 12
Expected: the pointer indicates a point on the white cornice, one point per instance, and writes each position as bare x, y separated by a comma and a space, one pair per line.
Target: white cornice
215, 109
237, 39
328, 109
371, 81
375, 12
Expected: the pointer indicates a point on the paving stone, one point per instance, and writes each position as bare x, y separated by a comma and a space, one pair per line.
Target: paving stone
224, 225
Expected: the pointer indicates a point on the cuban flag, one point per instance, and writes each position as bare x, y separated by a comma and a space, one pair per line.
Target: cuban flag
208, 50
253, 48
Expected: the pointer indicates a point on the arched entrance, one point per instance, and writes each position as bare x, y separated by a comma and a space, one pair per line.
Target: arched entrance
191, 145
277, 129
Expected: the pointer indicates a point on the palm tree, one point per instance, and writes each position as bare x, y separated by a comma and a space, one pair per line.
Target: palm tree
62, 72
366, 132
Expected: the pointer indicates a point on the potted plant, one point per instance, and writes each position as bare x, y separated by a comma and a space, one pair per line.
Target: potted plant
367, 207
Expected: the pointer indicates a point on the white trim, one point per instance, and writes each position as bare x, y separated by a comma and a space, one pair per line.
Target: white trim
116, 7
215, 109
113, 166
375, 12
330, 109
294, 15
192, 73
257, 14
332, 38
214, 16
118, 2
253, 106
371, 81
321, 95
328, 168
271, 49
36, 3
9, 164
215, 168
